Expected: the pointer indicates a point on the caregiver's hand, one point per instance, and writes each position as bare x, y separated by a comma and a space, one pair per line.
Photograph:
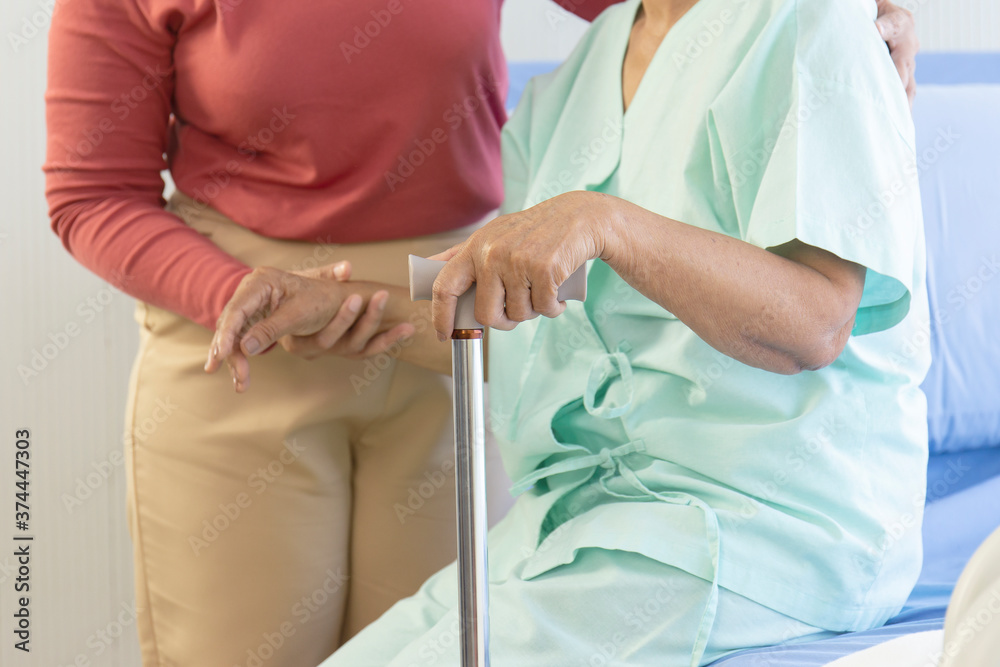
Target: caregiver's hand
518, 262
271, 304
899, 31
365, 334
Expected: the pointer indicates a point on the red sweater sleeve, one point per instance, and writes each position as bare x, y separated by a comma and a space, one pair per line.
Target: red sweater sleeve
108, 105
586, 9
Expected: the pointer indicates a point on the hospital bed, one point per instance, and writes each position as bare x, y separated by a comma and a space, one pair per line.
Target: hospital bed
958, 147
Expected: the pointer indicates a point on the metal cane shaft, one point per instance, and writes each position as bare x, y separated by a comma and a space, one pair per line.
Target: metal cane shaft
470, 440
470, 477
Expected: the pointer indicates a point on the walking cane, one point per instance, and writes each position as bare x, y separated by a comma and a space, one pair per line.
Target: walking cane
470, 464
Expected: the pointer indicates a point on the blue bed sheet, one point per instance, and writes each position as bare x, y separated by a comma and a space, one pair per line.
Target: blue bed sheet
963, 509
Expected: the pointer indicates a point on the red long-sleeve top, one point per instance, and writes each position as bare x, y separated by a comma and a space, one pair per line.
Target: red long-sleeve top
333, 121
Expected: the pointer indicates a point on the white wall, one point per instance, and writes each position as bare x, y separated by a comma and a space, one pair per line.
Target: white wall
81, 580
81, 568
540, 30
957, 25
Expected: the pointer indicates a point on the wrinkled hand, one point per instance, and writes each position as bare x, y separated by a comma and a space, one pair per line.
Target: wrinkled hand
518, 261
309, 311
898, 29
364, 336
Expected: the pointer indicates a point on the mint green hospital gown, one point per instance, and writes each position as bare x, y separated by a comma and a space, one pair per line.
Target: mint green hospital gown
677, 504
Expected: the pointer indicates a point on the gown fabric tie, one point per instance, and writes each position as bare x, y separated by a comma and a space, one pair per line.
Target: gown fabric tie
607, 369
613, 461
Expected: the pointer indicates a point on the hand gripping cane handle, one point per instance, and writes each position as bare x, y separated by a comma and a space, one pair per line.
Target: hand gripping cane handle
423, 273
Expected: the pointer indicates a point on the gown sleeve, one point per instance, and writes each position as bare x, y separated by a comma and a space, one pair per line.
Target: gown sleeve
819, 148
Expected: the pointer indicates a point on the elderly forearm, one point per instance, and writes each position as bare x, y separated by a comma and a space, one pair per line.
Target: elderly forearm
422, 348
763, 309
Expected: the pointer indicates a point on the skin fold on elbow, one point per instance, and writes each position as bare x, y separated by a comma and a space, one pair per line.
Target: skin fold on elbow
820, 323
815, 350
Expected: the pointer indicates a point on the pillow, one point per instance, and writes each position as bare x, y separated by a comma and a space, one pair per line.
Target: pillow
958, 158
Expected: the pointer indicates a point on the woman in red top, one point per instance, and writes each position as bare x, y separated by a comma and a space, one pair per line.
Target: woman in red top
270, 527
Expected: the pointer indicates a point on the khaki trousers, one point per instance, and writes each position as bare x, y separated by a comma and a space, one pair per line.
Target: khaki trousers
269, 527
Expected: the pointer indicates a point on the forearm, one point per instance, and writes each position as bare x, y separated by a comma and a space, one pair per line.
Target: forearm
756, 306
148, 253
422, 348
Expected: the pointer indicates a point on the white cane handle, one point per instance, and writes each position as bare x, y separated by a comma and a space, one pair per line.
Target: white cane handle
423, 273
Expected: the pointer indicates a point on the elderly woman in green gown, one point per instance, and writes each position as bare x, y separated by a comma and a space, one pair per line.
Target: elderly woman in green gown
711, 452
